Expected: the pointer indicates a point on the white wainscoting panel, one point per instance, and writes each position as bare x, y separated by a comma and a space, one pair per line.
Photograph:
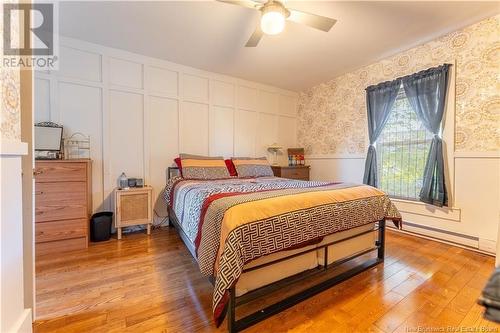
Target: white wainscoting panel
222, 131
85, 117
141, 112
125, 73
79, 64
287, 129
222, 93
195, 88
287, 136
269, 101
268, 133
164, 133
288, 105
247, 98
42, 103
245, 130
126, 147
162, 81
337, 169
477, 194
194, 128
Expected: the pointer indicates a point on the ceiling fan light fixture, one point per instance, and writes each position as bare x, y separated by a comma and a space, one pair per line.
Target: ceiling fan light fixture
273, 17
272, 21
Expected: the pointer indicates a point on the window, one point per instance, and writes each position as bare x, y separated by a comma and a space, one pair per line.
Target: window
402, 150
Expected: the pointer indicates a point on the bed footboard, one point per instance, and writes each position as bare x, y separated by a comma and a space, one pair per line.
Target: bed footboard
236, 325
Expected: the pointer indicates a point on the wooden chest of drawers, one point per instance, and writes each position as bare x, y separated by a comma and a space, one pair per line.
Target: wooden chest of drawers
292, 172
63, 204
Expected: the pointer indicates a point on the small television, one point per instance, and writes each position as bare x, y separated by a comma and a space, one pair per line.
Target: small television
48, 138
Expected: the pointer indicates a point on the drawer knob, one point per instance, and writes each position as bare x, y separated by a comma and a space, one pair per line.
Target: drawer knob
37, 172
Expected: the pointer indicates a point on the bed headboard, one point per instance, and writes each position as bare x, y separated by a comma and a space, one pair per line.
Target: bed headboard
171, 171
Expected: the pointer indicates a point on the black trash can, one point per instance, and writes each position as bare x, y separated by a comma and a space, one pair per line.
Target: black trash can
100, 226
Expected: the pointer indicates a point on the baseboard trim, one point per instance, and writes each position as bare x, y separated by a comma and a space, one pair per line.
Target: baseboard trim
446, 232
24, 323
440, 240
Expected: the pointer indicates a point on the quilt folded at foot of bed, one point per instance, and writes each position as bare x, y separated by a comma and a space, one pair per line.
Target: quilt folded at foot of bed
236, 228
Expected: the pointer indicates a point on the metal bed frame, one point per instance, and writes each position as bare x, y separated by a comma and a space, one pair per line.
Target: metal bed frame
236, 325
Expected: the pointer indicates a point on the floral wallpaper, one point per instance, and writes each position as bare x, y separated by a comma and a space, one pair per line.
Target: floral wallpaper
332, 115
10, 110
10, 106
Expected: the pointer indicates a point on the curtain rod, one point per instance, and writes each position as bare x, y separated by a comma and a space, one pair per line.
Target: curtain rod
398, 80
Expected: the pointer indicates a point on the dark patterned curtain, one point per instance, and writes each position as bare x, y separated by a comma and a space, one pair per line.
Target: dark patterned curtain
379, 102
426, 92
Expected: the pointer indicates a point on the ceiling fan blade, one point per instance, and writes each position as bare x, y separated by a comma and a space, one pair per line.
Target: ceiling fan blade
243, 3
255, 38
315, 21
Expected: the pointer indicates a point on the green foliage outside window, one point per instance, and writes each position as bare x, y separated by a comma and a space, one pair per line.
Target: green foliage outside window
402, 150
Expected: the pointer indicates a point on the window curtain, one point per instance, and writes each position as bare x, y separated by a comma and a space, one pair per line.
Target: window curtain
426, 92
379, 102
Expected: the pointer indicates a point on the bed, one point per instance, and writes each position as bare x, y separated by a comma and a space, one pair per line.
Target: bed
251, 236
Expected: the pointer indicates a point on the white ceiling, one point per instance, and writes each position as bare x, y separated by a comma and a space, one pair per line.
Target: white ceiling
211, 35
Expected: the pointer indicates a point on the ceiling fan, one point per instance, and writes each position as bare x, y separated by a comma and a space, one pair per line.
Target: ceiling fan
273, 16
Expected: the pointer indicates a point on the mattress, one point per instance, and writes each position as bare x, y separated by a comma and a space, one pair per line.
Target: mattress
189, 195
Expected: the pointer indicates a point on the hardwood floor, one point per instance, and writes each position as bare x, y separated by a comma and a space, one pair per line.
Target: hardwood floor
151, 284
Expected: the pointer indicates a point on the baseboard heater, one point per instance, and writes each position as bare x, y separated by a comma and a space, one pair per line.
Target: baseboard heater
446, 236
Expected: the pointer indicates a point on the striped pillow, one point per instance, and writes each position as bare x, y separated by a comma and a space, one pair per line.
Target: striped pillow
252, 167
203, 167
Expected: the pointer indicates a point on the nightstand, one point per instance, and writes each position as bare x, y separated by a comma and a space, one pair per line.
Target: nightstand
133, 206
299, 172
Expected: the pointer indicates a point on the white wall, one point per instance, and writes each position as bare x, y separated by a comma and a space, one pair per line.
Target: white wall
476, 200
141, 112
14, 317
